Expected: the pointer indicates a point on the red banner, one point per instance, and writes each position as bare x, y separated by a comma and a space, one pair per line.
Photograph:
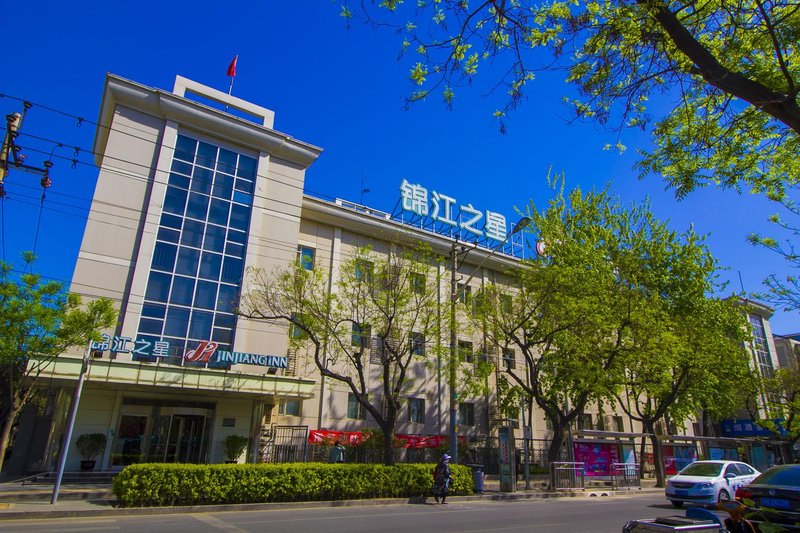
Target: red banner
325, 436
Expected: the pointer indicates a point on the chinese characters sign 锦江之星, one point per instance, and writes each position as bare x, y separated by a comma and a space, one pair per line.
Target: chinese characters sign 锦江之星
445, 210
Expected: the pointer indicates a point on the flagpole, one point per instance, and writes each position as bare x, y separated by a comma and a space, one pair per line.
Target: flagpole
230, 89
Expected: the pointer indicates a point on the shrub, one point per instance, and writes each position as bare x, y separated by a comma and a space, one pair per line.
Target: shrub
234, 446
90, 445
154, 484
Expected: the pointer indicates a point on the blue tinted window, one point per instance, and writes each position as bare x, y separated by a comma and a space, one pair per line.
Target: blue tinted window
226, 162
197, 206
169, 235
224, 320
177, 322
151, 325
206, 295
201, 180
245, 186
210, 265
182, 291
234, 249
180, 166
164, 256
192, 233
178, 181
201, 325
175, 200
222, 335
158, 286
240, 216
188, 259
306, 257
247, 167
154, 311
218, 214
226, 300
171, 221
242, 198
184, 148
223, 186
215, 238
206, 154
232, 270
237, 236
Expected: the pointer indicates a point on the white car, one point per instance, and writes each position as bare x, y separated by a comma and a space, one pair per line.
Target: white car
709, 482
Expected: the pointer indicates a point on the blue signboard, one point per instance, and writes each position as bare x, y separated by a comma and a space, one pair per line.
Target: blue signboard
747, 428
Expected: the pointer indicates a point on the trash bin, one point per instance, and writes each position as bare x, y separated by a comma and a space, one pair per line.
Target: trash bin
477, 478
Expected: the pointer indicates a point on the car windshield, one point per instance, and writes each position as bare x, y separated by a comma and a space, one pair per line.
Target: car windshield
702, 469
780, 476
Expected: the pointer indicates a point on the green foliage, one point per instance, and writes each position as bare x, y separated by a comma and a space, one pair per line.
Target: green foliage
90, 445
145, 485
379, 319
782, 395
38, 322
234, 446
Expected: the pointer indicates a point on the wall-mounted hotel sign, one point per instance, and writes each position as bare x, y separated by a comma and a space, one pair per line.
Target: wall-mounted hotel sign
450, 215
205, 352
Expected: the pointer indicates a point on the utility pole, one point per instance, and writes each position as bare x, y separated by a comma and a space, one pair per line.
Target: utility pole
10, 153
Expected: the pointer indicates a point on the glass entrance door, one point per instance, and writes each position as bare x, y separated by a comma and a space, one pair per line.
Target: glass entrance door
128, 446
185, 441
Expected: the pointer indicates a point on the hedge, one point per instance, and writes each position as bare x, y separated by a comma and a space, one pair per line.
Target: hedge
157, 484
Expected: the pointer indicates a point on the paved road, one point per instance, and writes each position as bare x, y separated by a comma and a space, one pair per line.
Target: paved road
568, 515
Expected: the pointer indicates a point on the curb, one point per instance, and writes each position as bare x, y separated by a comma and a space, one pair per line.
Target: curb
106, 507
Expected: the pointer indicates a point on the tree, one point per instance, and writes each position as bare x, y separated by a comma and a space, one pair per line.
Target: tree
570, 312
690, 357
781, 394
379, 318
38, 322
715, 83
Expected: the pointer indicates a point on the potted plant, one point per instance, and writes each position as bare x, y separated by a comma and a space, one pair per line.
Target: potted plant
234, 446
90, 445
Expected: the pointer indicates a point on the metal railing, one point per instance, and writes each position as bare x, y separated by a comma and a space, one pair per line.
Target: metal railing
625, 476
569, 476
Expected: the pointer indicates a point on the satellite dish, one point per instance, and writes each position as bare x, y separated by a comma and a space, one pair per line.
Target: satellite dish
540, 248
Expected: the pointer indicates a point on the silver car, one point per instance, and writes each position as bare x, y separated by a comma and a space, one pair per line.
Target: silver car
709, 482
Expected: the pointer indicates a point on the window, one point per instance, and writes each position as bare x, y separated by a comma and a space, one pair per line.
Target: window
416, 410
418, 283
417, 341
505, 303
364, 270
289, 408
464, 293
585, 421
294, 331
305, 255
509, 359
360, 335
466, 414
354, 409
465, 354
760, 346
618, 425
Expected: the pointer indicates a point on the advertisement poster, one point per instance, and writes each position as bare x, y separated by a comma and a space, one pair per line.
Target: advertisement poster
597, 456
723, 454
677, 457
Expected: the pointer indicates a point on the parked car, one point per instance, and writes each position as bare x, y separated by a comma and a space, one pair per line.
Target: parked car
774, 497
708, 482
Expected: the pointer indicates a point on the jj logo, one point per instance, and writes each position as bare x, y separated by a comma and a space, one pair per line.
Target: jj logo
203, 352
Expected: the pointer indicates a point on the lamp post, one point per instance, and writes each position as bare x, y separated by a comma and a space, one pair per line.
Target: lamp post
452, 371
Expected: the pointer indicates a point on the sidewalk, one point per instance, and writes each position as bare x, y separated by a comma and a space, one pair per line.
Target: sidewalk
33, 501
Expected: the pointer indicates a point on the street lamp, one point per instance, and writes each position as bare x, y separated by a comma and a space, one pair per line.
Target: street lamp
452, 375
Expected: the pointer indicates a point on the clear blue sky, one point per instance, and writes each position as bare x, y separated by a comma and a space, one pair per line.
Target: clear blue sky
336, 88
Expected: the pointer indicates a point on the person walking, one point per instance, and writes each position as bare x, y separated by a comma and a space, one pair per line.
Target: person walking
441, 479
337, 452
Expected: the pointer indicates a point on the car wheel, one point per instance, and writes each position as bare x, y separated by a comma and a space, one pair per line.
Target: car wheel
723, 496
676, 503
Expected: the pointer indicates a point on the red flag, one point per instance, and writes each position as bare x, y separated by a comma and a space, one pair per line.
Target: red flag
232, 66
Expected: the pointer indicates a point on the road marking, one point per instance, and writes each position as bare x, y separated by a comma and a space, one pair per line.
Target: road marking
215, 522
